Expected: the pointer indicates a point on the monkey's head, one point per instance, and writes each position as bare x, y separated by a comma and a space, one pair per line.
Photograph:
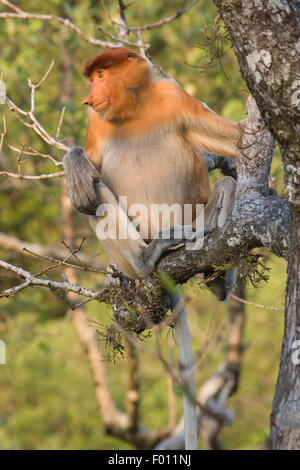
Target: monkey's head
117, 78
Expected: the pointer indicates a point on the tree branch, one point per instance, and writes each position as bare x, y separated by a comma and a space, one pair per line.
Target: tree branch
158, 23
32, 280
51, 253
22, 15
20, 176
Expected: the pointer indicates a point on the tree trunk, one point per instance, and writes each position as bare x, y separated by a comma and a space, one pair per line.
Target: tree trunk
285, 417
265, 36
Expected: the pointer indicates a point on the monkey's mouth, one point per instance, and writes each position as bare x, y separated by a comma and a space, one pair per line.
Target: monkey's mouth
100, 105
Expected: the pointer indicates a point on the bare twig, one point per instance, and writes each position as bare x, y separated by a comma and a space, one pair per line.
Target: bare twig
71, 250
12, 6
34, 153
32, 177
35, 125
122, 25
142, 46
62, 262
34, 87
19, 161
122, 8
65, 263
60, 123
20, 14
107, 13
51, 253
157, 66
3, 134
34, 281
247, 302
118, 40
158, 23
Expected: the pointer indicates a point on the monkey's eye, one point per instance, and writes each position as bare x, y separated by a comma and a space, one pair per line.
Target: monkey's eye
100, 74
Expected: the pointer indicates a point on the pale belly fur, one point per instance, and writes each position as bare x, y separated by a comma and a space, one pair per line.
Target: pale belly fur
164, 171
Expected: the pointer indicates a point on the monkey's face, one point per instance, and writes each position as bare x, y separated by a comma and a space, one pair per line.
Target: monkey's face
98, 96
115, 91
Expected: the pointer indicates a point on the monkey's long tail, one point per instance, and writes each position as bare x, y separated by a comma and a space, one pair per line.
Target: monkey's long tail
187, 373
223, 284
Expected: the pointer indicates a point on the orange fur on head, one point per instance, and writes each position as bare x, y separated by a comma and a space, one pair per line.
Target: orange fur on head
108, 58
117, 78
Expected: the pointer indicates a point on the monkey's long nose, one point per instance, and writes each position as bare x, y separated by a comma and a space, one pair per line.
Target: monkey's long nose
87, 100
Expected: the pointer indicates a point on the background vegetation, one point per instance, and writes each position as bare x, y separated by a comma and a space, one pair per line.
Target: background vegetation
47, 399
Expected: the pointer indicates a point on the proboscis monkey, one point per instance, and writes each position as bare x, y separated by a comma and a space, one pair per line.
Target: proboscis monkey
146, 137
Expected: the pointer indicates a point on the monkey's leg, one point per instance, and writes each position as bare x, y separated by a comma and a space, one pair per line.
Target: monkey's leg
220, 204
166, 239
90, 196
134, 257
117, 234
215, 214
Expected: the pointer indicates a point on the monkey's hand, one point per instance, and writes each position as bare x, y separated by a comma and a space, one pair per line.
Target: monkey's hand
82, 179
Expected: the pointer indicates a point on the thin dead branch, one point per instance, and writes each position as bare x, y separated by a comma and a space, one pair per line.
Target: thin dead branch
22, 15
34, 153
32, 177
4, 133
51, 253
32, 280
248, 302
34, 87
60, 122
120, 40
158, 23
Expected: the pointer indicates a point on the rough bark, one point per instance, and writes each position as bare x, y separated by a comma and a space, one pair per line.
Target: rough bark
265, 36
285, 417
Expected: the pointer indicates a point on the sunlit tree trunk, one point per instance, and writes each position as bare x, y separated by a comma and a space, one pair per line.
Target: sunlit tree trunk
265, 36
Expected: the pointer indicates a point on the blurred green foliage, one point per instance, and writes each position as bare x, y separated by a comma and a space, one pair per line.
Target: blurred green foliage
47, 399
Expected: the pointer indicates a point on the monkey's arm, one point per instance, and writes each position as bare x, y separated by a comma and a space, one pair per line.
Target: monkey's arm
117, 234
208, 131
211, 133
82, 179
